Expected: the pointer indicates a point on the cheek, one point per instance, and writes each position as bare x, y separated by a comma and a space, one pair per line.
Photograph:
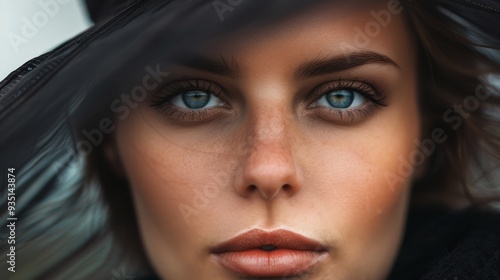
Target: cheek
359, 196
162, 177
362, 176
161, 171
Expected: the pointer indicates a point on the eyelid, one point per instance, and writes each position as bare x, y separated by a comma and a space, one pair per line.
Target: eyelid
374, 96
178, 86
365, 88
174, 88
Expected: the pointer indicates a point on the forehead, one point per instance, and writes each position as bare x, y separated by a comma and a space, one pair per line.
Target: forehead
327, 29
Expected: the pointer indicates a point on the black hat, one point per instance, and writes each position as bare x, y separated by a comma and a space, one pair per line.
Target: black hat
102, 9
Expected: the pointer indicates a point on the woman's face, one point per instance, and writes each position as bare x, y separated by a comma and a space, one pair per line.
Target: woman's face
278, 153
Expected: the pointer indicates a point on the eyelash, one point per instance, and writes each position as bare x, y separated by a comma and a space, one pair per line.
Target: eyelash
163, 98
373, 94
171, 90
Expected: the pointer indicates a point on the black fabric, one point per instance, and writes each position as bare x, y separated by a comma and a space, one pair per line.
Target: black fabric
100, 10
450, 245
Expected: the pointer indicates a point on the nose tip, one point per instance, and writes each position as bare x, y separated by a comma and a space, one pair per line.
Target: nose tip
269, 170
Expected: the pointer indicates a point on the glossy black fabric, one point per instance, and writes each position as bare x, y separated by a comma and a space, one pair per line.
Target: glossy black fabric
100, 10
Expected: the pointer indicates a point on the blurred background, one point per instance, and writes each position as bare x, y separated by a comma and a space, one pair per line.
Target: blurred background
29, 28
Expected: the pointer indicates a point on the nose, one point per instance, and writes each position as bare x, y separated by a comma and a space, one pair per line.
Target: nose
269, 168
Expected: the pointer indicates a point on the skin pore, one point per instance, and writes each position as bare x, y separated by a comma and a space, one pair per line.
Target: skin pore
300, 131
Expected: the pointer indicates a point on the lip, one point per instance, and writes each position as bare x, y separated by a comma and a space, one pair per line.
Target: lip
293, 255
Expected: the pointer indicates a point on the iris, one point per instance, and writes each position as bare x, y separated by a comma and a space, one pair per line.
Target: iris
195, 99
341, 99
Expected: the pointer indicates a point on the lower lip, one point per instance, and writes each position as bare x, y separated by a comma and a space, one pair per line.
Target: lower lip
276, 263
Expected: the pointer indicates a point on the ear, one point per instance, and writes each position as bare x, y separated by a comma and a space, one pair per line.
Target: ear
112, 157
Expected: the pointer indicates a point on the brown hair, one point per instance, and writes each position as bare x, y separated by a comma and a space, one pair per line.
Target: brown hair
458, 98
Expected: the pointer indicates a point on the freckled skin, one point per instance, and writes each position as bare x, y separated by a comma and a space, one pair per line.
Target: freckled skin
269, 162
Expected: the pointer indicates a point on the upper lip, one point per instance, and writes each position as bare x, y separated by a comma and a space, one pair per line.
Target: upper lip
281, 239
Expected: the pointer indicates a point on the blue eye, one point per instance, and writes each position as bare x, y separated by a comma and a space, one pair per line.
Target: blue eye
195, 100
342, 99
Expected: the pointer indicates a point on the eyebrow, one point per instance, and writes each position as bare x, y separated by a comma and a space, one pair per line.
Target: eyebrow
223, 67
340, 63
231, 68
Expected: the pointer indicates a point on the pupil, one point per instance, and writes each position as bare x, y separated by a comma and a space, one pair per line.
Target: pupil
195, 99
340, 99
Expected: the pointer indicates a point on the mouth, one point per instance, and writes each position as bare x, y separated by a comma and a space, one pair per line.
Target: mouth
279, 253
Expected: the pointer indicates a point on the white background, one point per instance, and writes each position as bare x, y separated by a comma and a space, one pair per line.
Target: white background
29, 28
